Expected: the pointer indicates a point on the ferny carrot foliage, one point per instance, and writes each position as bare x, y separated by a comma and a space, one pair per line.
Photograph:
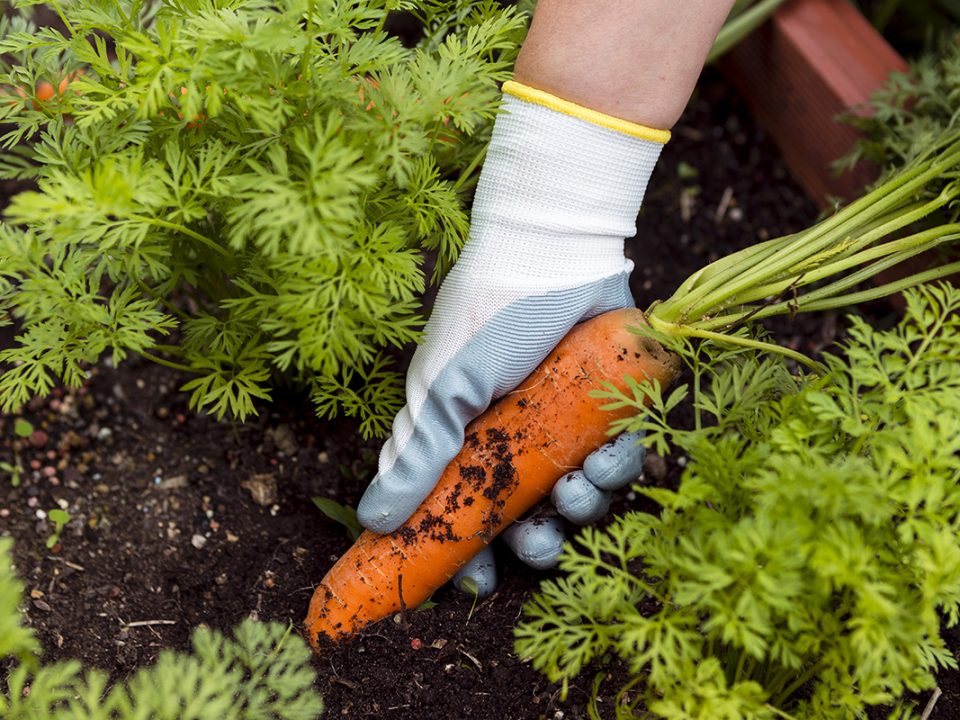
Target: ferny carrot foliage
252, 192
806, 562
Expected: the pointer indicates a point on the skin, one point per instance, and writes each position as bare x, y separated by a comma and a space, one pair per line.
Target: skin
632, 59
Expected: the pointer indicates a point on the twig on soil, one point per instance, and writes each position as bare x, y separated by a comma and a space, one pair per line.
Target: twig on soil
471, 658
71, 565
937, 692
148, 623
489, 601
725, 200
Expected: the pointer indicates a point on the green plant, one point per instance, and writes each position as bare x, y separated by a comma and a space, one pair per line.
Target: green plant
21, 428
344, 515
745, 17
262, 672
260, 181
14, 471
469, 586
802, 567
59, 518
820, 268
910, 112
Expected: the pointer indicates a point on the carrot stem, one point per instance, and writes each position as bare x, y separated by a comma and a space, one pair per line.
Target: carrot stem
675, 330
781, 261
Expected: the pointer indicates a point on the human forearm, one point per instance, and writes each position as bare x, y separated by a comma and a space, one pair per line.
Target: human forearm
633, 59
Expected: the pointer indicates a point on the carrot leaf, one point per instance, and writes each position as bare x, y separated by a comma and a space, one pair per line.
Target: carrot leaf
809, 559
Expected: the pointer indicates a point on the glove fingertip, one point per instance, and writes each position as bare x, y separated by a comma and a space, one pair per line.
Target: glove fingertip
538, 542
481, 572
616, 463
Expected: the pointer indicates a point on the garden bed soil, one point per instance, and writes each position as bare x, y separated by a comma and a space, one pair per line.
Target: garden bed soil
179, 520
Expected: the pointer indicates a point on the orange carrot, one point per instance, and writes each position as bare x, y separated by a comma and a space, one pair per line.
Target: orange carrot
513, 455
44, 91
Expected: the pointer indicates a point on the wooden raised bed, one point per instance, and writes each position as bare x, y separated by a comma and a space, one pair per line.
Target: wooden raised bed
812, 61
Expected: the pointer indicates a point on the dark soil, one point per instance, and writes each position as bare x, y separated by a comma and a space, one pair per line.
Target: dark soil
179, 520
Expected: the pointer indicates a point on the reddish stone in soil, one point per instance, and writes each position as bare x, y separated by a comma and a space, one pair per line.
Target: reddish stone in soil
38, 438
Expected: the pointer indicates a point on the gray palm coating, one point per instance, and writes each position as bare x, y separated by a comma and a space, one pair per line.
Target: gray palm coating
488, 367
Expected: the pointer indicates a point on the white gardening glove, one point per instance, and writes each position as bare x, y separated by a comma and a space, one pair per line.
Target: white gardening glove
560, 190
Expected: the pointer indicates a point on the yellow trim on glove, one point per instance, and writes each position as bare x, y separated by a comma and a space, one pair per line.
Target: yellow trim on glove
539, 97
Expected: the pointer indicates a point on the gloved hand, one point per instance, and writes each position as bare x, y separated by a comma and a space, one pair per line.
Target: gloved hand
581, 496
558, 194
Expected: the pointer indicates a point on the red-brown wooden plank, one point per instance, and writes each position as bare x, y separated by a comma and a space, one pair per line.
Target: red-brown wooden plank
813, 60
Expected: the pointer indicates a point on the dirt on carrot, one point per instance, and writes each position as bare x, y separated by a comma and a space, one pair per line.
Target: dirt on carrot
513, 455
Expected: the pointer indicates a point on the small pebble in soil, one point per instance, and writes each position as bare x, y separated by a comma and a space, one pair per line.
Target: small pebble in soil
416, 643
262, 488
284, 438
198, 541
172, 483
655, 466
38, 438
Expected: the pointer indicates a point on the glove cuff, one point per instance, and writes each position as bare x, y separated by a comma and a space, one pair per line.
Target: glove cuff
560, 190
541, 97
